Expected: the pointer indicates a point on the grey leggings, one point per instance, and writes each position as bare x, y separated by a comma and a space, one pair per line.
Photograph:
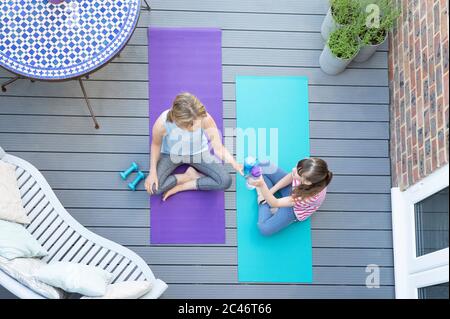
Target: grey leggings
216, 177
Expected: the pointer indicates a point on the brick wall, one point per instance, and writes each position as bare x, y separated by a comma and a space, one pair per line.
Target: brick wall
418, 76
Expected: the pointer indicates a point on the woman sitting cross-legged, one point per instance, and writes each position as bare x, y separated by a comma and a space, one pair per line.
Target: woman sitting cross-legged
181, 135
302, 193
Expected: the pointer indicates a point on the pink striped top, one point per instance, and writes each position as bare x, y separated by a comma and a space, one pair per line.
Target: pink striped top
304, 208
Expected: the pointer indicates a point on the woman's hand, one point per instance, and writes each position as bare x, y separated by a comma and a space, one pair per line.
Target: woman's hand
239, 168
152, 180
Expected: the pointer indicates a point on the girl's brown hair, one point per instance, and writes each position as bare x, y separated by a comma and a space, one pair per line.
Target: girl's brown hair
186, 108
315, 170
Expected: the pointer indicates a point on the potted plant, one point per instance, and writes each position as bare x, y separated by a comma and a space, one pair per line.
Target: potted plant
374, 25
341, 48
340, 13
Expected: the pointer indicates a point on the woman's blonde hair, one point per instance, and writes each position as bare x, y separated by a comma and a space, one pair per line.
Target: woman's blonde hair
186, 108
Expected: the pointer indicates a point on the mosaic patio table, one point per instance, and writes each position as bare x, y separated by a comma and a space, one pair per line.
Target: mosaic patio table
55, 40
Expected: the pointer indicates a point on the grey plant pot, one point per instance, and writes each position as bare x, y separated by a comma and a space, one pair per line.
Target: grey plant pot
328, 25
366, 51
331, 64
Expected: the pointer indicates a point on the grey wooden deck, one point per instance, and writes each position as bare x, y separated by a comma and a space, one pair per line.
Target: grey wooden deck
47, 124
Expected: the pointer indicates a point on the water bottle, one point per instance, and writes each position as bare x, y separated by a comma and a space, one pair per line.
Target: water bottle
253, 169
255, 173
249, 163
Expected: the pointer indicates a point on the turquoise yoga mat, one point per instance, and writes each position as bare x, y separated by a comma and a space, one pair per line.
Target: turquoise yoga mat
279, 103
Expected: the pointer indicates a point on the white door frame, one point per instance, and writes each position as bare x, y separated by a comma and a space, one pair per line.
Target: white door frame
413, 272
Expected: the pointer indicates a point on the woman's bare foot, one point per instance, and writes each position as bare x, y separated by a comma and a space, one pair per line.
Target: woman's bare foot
191, 185
193, 173
189, 175
185, 182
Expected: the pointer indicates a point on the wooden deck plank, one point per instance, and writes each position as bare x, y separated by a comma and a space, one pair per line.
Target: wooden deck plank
258, 39
277, 292
197, 255
227, 275
321, 238
139, 199
140, 126
101, 217
138, 72
261, 57
139, 90
232, 20
264, 6
112, 181
17, 105
139, 144
89, 162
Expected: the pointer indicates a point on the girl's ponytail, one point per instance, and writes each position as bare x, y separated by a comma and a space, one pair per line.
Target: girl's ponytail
329, 177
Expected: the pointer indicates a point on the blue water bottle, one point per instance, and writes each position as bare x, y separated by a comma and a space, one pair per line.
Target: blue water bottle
252, 170
249, 163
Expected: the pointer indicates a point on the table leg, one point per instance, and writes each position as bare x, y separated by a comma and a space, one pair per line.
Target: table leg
96, 125
4, 84
146, 6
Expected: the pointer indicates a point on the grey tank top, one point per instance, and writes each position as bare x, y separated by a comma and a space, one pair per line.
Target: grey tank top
182, 142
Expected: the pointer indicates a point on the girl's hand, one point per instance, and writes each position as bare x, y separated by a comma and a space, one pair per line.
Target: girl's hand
239, 168
152, 180
257, 182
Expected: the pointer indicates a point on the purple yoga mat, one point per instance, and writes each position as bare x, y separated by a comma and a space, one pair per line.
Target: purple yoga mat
186, 60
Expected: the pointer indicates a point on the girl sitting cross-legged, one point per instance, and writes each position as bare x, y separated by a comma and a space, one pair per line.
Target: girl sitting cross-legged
302, 193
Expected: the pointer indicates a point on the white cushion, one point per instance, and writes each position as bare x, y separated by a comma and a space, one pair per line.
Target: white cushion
125, 290
11, 208
23, 270
83, 279
16, 241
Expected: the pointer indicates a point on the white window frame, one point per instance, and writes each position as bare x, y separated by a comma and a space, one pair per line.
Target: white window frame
411, 272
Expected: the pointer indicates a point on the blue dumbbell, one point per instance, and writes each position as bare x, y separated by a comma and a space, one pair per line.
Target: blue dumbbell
140, 176
131, 169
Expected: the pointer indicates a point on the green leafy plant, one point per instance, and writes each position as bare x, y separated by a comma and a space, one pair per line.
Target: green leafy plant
343, 42
374, 25
345, 12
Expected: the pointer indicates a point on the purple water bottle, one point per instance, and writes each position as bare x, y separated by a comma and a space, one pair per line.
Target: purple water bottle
56, 1
255, 174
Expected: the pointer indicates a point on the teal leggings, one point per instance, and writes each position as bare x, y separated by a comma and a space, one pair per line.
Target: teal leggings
269, 223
